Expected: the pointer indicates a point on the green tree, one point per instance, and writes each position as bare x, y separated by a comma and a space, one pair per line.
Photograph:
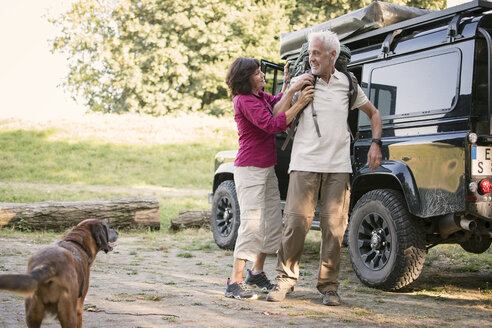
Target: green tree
160, 56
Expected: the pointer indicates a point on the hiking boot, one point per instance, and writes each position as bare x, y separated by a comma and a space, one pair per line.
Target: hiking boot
259, 280
331, 298
280, 289
239, 290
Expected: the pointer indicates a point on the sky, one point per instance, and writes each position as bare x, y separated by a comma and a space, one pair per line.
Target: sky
30, 75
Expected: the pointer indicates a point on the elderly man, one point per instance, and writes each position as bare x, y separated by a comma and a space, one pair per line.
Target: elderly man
320, 165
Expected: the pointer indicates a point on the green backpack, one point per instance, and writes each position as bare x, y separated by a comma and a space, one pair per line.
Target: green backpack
301, 66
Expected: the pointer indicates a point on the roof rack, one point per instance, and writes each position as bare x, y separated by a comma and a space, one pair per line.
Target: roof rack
387, 33
475, 6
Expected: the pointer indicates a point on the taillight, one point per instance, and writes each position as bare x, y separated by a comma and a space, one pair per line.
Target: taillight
484, 187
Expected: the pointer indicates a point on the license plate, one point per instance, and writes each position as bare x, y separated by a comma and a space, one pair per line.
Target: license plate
481, 160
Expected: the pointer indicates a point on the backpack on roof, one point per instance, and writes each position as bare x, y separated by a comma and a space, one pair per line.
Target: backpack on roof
341, 65
301, 66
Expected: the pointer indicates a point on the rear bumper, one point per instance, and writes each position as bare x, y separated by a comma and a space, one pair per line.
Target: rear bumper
481, 209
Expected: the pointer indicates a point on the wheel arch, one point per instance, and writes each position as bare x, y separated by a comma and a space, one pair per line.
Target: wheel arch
224, 172
390, 175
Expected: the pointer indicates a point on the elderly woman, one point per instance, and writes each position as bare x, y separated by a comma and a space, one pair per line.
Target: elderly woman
259, 116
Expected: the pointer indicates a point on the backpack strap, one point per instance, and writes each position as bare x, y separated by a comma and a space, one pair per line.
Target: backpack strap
295, 121
292, 128
313, 112
353, 90
352, 96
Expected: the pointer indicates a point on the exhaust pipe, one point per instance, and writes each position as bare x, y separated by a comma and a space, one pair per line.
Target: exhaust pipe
469, 225
448, 225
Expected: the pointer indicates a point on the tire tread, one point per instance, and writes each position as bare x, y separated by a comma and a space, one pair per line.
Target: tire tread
411, 250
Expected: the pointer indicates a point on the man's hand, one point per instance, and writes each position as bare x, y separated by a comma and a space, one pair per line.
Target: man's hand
302, 80
374, 156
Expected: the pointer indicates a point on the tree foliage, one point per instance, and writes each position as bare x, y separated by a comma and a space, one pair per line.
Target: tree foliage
160, 56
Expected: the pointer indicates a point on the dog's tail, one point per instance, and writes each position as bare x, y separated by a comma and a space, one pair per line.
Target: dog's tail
21, 284
25, 284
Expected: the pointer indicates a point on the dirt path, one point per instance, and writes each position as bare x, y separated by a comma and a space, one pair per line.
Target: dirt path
178, 280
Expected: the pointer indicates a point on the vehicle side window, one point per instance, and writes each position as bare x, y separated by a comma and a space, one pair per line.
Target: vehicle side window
420, 86
274, 74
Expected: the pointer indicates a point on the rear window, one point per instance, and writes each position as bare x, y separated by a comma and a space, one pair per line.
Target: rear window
420, 86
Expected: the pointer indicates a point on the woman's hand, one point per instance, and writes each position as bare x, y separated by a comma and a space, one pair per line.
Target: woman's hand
306, 96
302, 80
288, 95
286, 73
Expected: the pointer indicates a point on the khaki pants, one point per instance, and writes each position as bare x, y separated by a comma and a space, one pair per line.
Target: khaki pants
302, 196
260, 230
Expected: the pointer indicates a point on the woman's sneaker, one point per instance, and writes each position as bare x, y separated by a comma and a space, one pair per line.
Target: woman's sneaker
239, 290
259, 280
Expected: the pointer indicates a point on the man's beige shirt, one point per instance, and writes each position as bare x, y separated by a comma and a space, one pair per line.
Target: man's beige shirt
329, 153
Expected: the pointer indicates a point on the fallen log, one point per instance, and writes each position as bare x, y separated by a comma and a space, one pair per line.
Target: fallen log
191, 219
122, 213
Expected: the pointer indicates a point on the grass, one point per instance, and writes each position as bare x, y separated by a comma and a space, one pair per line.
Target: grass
43, 156
113, 156
461, 260
28, 156
361, 312
185, 255
122, 297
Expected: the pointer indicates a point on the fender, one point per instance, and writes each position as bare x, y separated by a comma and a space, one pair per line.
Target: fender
224, 167
391, 175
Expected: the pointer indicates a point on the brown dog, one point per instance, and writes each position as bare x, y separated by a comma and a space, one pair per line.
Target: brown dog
57, 276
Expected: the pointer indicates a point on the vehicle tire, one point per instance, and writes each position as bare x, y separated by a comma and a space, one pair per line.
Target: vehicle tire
476, 244
386, 244
225, 218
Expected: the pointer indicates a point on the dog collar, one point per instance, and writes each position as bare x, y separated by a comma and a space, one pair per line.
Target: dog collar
77, 255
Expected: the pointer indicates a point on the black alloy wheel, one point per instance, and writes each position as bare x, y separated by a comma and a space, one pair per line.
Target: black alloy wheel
375, 241
224, 216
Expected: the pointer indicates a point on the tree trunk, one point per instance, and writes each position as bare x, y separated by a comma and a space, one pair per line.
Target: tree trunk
191, 219
119, 213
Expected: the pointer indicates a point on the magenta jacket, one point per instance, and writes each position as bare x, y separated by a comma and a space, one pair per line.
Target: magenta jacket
257, 128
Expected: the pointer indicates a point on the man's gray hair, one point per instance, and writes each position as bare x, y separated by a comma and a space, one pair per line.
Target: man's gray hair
329, 39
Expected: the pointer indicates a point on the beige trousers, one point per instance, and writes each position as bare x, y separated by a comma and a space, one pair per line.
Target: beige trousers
302, 196
260, 230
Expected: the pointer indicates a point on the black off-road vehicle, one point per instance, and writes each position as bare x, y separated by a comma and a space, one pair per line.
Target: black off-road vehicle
430, 77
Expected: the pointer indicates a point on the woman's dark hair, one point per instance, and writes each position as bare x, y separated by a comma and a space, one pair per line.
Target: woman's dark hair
239, 75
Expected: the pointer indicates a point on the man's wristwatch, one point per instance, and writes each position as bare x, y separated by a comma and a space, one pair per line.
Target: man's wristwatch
377, 141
